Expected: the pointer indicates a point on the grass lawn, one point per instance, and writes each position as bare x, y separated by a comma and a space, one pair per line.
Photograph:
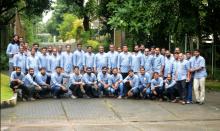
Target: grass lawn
6, 92
213, 85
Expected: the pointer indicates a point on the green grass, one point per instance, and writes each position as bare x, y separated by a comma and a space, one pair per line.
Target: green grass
213, 85
6, 92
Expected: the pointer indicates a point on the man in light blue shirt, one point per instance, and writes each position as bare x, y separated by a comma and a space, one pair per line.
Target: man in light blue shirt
42, 80
78, 56
144, 83
168, 64
101, 60
76, 84
90, 81
16, 83
169, 85
53, 61
11, 50
31, 85
189, 83
43, 59
174, 64
67, 60
89, 59
137, 60
124, 62
158, 64
103, 81
181, 76
148, 62
131, 83
157, 86
20, 60
56, 83
112, 57
33, 61
116, 83
200, 74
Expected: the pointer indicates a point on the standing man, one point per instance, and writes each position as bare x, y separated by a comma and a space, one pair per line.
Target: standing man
12, 49
89, 59
33, 61
53, 61
43, 59
90, 81
158, 65
189, 83
67, 60
78, 56
168, 64
148, 62
124, 62
112, 57
101, 60
137, 60
181, 76
20, 60
36, 47
142, 49
199, 70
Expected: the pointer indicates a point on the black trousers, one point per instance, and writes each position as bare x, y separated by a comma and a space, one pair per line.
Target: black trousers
75, 88
127, 87
91, 91
24, 89
181, 86
124, 75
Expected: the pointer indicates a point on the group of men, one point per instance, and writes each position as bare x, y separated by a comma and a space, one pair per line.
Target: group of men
145, 73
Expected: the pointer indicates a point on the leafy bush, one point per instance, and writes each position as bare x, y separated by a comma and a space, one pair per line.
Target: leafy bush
95, 44
4, 61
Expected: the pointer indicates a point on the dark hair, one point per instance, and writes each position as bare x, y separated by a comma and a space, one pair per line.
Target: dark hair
142, 68
42, 68
43, 48
78, 44
67, 45
75, 67
18, 67
104, 67
30, 69
156, 73
89, 46
58, 67
188, 52
36, 44
115, 68
130, 71
197, 50
88, 68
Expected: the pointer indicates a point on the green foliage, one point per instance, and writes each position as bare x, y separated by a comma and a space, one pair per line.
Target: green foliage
95, 44
6, 91
4, 61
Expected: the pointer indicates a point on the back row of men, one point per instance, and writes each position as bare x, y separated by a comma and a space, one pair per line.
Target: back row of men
179, 71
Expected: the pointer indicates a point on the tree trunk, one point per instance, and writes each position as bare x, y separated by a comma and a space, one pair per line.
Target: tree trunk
86, 23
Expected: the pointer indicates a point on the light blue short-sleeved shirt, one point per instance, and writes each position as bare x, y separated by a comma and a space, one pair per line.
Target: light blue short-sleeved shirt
199, 62
158, 63
182, 70
137, 60
112, 59
101, 60
20, 61
124, 62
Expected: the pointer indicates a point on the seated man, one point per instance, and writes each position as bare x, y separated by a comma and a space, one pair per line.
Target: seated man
58, 88
76, 84
131, 84
90, 81
42, 80
169, 85
116, 83
103, 81
157, 86
17, 83
144, 82
32, 86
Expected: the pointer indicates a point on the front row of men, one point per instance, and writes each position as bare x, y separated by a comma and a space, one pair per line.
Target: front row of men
89, 86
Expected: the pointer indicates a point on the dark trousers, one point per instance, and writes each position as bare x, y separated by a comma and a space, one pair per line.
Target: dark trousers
127, 87
24, 89
124, 75
170, 93
76, 91
189, 90
159, 91
58, 92
91, 91
44, 90
181, 86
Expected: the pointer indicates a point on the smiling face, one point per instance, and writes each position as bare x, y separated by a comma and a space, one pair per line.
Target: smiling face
101, 49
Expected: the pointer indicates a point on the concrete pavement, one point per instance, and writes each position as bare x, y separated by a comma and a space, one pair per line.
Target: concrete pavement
112, 114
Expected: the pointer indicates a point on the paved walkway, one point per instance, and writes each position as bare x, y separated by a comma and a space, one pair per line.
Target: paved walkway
112, 114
